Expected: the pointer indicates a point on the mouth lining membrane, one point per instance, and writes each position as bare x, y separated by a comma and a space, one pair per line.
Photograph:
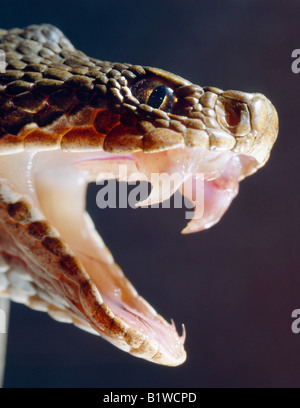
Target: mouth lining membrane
56, 184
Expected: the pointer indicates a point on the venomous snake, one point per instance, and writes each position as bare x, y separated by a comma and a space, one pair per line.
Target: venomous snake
66, 120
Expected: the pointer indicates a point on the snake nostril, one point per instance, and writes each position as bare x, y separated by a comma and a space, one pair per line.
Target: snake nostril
232, 115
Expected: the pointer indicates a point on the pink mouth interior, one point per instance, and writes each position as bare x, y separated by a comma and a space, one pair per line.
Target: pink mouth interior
56, 183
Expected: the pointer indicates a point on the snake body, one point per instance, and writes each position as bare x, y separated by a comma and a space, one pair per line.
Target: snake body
64, 118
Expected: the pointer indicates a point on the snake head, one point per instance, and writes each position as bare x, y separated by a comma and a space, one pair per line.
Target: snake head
67, 120
208, 117
211, 138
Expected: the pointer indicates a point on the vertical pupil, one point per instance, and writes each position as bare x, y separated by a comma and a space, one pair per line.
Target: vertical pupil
157, 96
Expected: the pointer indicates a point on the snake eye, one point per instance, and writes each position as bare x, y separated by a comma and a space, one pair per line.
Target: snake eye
154, 94
161, 98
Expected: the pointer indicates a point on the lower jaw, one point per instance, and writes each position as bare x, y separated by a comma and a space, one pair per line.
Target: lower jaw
56, 185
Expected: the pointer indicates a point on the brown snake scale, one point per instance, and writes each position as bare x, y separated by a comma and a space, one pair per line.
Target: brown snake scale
55, 88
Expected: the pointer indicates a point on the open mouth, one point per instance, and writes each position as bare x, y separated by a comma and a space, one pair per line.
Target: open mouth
67, 120
55, 184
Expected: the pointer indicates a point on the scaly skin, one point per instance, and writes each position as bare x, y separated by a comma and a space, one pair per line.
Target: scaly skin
55, 98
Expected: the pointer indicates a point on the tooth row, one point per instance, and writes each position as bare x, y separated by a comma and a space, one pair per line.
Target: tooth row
15, 283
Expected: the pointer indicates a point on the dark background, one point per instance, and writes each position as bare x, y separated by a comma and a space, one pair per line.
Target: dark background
234, 286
